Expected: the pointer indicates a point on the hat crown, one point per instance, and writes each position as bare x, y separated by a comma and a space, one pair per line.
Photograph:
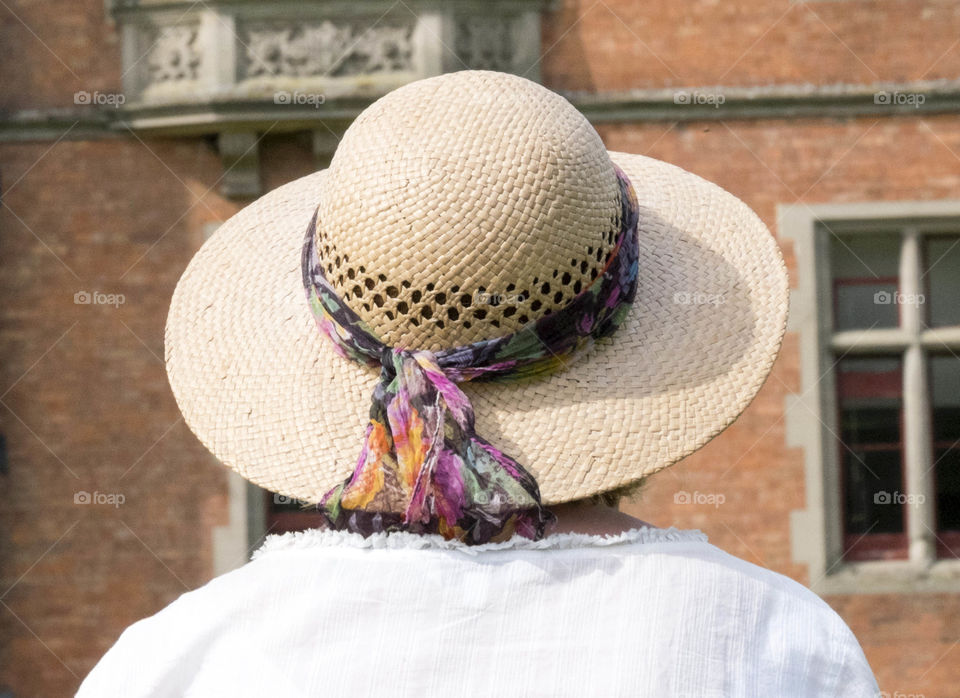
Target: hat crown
461, 207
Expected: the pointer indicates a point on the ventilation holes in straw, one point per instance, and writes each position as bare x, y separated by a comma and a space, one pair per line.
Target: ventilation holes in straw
432, 304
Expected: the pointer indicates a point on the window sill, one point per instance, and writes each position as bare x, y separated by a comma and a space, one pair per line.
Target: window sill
891, 577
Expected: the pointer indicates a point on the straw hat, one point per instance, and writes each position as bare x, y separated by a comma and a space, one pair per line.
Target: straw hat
455, 209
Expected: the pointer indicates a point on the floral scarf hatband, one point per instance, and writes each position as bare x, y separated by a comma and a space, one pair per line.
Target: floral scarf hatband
423, 468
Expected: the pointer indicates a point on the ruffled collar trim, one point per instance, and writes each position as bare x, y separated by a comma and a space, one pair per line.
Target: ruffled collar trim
320, 538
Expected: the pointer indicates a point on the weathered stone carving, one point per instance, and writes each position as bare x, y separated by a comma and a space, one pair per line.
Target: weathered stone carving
485, 42
327, 49
174, 55
239, 70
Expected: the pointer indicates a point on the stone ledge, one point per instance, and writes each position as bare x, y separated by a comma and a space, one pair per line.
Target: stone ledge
770, 101
741, 103
890, 577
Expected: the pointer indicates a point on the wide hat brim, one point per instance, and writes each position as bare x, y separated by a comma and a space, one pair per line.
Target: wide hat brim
268, 396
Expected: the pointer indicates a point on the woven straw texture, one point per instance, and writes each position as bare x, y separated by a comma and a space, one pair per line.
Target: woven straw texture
482, 183
456, 191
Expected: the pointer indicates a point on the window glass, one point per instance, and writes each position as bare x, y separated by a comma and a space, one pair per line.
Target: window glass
285, 514
945, 404
942, 276
865, 280
871, 445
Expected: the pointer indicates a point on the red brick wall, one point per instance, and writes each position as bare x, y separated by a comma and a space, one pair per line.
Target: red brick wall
623, 44
52, 49
90, 408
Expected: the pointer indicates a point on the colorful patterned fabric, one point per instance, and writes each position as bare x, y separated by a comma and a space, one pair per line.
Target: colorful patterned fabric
423, 468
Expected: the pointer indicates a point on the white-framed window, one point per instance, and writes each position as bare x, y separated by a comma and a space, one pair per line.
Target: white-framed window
877, 312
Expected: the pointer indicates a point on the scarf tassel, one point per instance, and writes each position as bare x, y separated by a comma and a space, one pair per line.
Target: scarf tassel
422, 456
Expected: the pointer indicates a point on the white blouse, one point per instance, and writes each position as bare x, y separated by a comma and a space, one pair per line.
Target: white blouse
649, 612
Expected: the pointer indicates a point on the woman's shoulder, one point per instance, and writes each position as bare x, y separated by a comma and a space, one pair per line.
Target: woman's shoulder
302, 585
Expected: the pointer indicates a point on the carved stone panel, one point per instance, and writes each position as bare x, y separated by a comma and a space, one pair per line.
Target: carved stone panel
240, 69
485, 42
326, 49
174, 55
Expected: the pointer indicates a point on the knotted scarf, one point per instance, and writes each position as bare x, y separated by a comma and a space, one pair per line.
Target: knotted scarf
423, 468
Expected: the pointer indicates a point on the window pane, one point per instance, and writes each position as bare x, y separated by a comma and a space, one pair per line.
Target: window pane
871, 447
285, 514
945, 399
942, 273
865, 280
